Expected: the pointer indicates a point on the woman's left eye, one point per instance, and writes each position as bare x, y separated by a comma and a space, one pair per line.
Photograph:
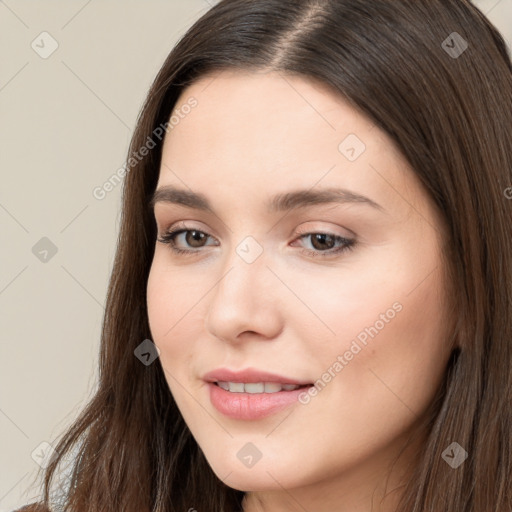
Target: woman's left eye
318, 240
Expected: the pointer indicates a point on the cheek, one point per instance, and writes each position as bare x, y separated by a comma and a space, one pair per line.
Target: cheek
381, 337
176, 314
171, 293
390, 350
349, 302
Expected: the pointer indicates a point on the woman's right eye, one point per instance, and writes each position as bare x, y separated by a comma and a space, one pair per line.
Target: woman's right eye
192, 236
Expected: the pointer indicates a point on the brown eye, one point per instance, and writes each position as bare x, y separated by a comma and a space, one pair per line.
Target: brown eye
326, 244
322, 241
195, 238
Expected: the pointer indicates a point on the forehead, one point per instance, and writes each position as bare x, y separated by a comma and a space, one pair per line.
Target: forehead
240, 103
253, 133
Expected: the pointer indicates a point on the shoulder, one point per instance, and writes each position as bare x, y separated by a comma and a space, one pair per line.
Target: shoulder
33, 507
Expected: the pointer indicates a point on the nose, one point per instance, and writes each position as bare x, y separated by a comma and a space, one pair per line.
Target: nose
244, 302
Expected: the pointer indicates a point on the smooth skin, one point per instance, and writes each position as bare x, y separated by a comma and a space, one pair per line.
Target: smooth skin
253, 135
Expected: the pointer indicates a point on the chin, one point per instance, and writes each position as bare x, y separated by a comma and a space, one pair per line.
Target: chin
248, 481
261, 477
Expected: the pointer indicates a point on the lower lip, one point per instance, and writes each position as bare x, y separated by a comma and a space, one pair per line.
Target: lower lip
251, 406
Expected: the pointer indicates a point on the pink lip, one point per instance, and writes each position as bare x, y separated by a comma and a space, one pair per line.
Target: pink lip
250, 406
249, 375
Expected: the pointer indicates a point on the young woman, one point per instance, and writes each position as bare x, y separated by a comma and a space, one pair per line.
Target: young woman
311, 302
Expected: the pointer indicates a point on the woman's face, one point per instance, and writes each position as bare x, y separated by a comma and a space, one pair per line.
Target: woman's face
339, 290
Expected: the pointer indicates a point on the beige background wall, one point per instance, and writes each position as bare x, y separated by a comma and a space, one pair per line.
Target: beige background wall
65, 123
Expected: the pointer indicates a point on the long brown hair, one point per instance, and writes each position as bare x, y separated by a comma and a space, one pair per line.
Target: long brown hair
448, 107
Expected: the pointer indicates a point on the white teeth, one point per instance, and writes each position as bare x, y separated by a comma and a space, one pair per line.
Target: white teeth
253, 387
256, 387
236, 387
289, 387
272, 387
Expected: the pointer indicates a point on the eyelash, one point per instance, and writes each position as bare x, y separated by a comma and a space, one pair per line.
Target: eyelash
348, 244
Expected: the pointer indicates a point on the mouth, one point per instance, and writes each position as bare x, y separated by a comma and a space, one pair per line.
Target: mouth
252, 401
252, 393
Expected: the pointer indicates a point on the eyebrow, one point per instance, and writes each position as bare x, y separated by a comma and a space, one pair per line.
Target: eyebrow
287, 201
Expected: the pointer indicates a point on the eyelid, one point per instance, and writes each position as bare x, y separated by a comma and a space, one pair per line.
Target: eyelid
300, 231
306, 231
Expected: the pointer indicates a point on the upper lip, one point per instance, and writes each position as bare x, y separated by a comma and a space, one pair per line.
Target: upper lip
249, 375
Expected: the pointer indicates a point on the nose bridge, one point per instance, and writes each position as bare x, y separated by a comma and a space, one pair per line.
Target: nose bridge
242, 299
245, 272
